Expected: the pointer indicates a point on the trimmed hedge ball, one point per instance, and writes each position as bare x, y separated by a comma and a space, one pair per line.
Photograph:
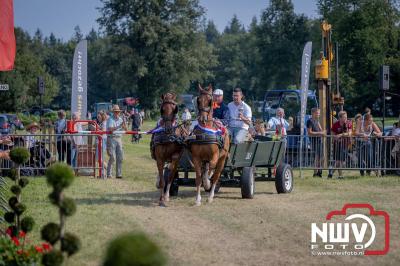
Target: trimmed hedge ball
53, 258
9, 217
19, 208
19, 155
68, 206
23, 182
70, 244
15, 189
51, 233
13, 174
134, 249
12, 202
60, 176
27, 224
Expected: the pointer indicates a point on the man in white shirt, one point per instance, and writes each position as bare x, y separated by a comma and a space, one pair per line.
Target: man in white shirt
239, 117
279, 122
186, 116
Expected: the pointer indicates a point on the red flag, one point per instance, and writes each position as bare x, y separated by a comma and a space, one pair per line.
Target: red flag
7, 37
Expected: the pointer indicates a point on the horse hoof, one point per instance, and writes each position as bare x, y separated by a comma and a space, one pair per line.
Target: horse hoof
166, 199
162, 204
198, 203
210, 200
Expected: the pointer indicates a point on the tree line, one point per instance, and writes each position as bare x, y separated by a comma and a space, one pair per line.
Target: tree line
145, 48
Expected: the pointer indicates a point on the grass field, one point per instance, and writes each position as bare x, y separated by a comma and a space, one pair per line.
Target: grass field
270, 229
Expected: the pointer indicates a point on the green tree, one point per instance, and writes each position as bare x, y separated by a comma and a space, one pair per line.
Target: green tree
22, 80
281, 37
157, 46
368, 33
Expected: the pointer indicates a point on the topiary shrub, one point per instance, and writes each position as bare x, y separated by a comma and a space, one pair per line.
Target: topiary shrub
19, 156
60, 176
134, 249
14, 249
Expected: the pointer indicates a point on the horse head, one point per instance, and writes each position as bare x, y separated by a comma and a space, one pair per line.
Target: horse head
204, 104
168, 110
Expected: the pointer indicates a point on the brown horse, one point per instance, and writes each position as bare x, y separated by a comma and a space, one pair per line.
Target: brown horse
208, 156
167, 144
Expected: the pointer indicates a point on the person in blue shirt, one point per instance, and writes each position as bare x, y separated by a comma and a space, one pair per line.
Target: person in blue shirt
220, 110
114, 141
279, 122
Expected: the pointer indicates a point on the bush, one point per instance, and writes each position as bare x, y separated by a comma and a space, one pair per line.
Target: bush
27, 224
53, 258
133, 249
51, 233
19, 155
23, 182
9, 217
15, 189
70, 244
60, 176
68, 206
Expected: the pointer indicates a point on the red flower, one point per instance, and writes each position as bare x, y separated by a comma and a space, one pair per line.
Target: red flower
9, 231
46, 246
22, 234
15, 240
39, 249
19, 252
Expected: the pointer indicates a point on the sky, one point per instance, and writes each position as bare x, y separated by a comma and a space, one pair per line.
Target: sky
61, 16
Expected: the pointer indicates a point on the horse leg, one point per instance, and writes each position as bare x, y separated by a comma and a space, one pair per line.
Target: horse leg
160, 166
198, 168
205, 173
172, 172
216, 174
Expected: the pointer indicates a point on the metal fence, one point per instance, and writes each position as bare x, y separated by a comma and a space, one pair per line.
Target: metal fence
352, 153
330, 152
84, 152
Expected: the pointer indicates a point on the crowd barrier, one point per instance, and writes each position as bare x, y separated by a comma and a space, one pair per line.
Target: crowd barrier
84, 152
329, 152
347, 153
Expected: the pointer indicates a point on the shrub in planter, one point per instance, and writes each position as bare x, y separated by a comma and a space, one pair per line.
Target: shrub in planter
13, 247
59, 177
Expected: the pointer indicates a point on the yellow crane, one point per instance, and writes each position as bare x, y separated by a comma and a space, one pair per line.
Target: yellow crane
329, 99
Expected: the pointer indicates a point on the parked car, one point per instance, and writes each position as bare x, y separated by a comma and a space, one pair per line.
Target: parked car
4, 125
37, 111
15, 123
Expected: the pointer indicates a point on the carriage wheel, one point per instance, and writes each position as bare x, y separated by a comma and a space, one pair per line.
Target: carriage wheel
173, 191
247, 182
284, 178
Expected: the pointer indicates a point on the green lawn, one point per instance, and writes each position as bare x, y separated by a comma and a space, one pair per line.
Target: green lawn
269, 229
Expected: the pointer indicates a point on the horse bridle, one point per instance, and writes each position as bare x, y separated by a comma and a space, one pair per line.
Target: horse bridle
169, 118
207, 109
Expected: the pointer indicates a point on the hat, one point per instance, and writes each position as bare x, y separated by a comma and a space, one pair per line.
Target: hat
218, 92
34, 124
115, 108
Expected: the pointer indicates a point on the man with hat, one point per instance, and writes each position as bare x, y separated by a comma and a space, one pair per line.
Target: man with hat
220, 110
31, 139
114, 142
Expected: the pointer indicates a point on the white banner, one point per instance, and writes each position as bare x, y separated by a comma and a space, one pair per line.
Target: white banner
79, 80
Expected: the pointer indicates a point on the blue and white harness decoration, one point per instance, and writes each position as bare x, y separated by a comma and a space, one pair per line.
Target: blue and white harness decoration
209, 131
159, 128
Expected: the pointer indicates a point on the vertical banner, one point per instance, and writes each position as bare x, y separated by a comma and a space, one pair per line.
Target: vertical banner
79, 80
7, 37
305, 77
